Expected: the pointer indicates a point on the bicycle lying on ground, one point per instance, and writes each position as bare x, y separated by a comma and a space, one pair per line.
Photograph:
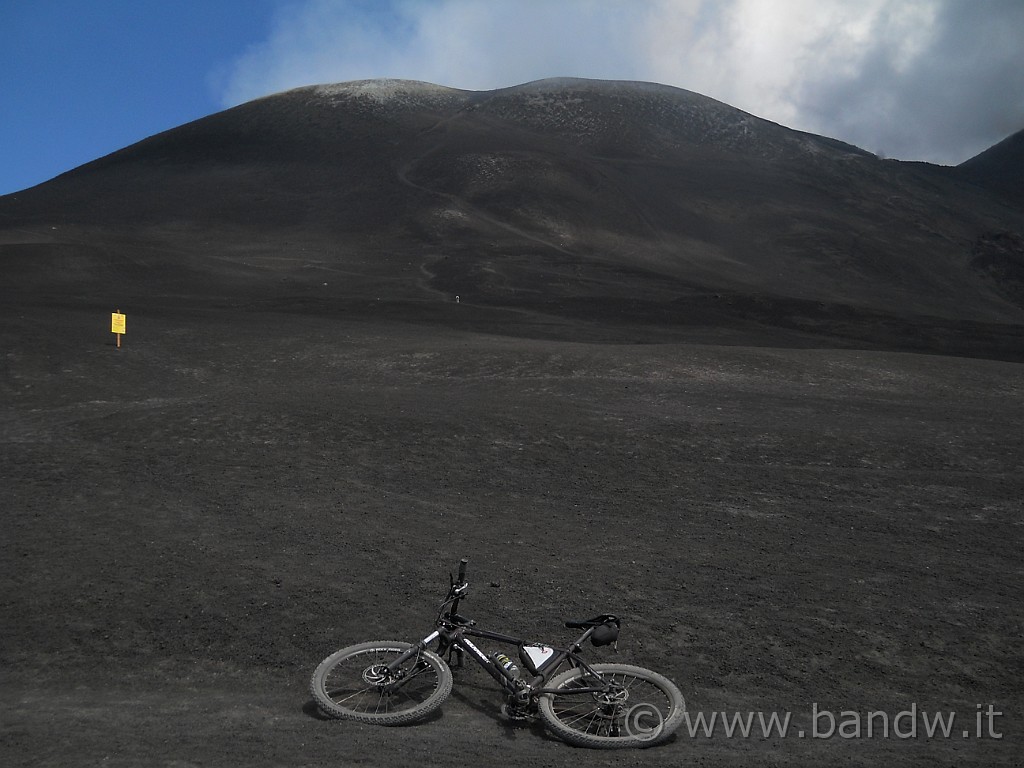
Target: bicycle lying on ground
591, 705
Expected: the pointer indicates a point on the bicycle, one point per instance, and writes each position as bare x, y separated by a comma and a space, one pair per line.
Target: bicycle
599, 705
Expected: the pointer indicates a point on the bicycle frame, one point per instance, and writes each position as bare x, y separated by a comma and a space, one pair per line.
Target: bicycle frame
453, 633
458, 639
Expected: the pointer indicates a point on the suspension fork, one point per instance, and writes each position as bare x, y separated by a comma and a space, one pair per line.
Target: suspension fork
414, 651
446, 645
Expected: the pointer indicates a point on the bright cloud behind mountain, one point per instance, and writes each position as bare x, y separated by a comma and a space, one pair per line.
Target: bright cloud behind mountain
912, 79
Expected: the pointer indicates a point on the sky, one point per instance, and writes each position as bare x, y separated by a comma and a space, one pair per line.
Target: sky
931, 80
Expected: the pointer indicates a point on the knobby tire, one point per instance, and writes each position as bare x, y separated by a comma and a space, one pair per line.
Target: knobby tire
643, 711
344, 684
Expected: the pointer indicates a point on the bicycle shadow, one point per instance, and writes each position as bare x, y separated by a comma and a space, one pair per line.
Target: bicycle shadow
481, 696
486, 700
312, 710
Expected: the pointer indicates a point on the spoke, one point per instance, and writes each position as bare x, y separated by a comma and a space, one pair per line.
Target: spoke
576, 718
417, 673
593, 720
375, 699
603, 713
360, 686
587, 721
358, 692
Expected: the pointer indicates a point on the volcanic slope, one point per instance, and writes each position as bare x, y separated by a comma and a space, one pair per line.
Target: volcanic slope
1000, 167
636, 405
647, 210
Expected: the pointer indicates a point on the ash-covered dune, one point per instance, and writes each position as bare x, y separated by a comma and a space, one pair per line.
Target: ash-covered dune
614, 204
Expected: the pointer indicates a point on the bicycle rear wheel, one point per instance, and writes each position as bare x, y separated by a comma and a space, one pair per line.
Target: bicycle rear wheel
355, 684
636, 707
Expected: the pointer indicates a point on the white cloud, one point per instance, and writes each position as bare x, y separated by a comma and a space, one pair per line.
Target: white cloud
460, 43
765, 57
918, 79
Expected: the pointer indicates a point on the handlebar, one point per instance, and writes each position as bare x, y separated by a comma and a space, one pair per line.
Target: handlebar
459, 587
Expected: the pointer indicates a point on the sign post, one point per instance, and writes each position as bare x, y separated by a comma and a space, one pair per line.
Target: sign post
117, 325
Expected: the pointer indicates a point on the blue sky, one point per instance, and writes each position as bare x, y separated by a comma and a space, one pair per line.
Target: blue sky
82, 78
934, 80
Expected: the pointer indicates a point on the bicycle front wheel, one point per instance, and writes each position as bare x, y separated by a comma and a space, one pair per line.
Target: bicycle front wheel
634, 707
356, 684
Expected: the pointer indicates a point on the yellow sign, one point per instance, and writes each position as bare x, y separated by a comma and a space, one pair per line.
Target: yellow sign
117, 322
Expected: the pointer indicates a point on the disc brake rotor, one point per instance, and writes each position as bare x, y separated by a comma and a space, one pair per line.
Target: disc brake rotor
376, 674
612, 698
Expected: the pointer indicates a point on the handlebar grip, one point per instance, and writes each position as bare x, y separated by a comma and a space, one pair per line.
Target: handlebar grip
462, 570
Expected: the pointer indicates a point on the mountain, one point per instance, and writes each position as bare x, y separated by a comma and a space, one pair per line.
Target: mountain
559, 207
999, 168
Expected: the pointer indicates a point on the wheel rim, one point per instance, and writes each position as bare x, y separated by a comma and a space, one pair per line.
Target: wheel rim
629, 708
363, 685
